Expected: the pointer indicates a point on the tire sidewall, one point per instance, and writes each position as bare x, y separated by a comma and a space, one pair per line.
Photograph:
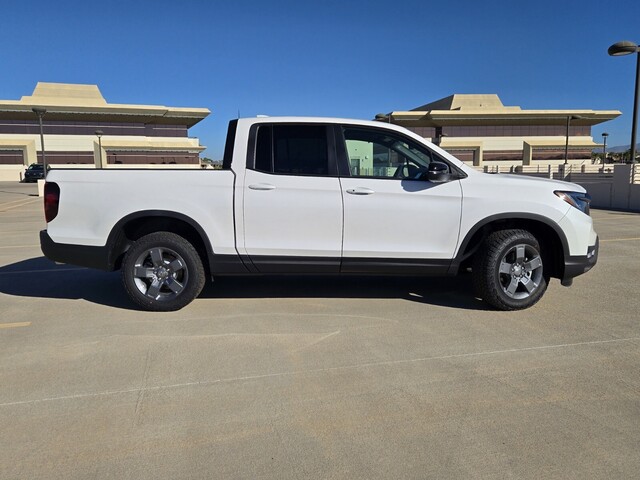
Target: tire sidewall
496, 246
193, 263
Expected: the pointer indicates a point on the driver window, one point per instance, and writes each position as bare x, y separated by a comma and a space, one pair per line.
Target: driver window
379, 154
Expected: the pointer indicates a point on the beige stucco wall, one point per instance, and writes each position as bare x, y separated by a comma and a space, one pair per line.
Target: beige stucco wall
30, 145
27, 144
497, 144
84, 143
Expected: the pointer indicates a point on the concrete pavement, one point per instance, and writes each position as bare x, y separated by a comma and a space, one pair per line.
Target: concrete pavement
315, 377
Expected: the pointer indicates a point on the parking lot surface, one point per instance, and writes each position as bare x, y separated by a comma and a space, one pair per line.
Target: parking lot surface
315, 377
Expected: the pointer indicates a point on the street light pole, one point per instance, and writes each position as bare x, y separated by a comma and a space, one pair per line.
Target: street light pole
604, 150
40, 113
99, 134
625, 48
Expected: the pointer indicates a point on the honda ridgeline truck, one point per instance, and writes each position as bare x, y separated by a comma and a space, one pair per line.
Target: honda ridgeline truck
320, 196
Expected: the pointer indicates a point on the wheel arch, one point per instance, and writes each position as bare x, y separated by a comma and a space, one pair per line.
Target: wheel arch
552, 239
138, 224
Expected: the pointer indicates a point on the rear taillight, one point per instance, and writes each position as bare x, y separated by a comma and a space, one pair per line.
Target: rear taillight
51, 200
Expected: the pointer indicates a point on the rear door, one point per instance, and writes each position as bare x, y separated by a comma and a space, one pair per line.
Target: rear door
292, 199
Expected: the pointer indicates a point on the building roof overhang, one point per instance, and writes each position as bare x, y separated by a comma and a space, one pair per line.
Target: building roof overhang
487, 109
440, 118
85, 103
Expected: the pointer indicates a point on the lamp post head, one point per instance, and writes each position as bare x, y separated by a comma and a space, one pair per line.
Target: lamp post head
605, 135
623, 48
39, 111
99, 133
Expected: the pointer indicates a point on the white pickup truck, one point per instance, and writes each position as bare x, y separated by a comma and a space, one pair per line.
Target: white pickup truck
320, 196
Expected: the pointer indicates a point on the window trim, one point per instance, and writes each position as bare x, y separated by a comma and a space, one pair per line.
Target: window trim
229, 145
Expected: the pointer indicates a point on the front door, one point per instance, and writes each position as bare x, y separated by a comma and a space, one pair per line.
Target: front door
394, 219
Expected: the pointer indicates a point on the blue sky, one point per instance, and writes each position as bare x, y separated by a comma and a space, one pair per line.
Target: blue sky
325, 58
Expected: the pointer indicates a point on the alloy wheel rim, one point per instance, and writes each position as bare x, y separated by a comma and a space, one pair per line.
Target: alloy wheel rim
520, 271
160, 273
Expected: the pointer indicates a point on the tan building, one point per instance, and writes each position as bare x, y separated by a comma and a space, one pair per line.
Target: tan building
481, 131
132, 136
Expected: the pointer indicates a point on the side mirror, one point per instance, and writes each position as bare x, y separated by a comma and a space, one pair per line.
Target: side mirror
438, 172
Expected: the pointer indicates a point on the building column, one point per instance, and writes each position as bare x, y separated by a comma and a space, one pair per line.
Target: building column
527, 153
478, 157
97, 156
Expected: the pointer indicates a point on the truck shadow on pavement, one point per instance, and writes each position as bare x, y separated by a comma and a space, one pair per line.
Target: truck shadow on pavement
455, 292
42, 278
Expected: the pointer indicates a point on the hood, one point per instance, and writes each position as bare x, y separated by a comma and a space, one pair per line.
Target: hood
551, 184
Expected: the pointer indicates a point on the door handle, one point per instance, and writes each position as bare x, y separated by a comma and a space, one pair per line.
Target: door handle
360, 191
262, 186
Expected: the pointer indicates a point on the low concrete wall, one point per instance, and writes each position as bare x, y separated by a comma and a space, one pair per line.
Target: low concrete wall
601, 193
615, 187
634, 198
618, 192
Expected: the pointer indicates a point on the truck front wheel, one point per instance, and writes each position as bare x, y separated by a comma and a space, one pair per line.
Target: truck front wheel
508, 272
162, 272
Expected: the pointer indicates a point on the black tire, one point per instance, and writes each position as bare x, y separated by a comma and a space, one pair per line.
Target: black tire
162, 272
508, 271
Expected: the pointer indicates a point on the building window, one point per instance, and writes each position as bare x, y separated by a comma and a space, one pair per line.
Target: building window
53, 127
502, 155
67, 158
558, 154
151, 158
465, 155
516, 131
424, 132
11, 157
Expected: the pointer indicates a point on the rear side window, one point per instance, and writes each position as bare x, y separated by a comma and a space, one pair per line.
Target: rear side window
292, 150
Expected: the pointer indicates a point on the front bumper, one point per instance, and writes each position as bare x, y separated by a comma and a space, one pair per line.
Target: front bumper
577, 265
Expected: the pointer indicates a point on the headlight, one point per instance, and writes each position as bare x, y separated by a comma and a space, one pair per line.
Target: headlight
576, 199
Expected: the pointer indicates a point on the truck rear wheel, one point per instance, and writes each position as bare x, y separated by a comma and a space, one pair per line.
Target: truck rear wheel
508, 272
162, 272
